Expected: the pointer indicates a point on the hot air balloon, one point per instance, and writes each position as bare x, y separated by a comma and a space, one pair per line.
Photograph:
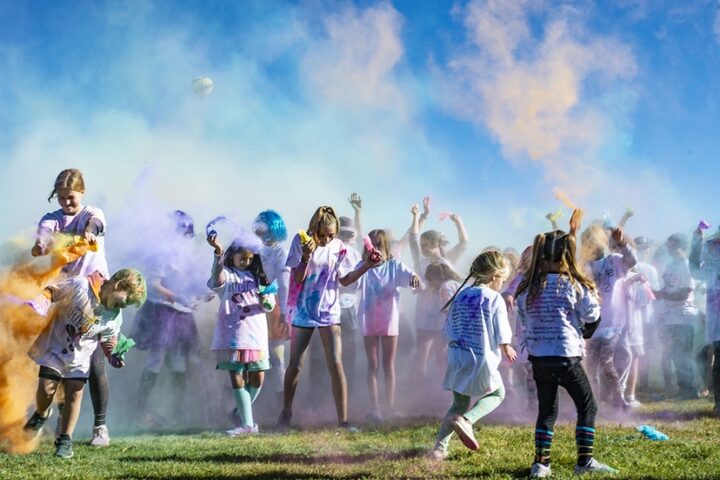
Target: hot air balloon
202, 86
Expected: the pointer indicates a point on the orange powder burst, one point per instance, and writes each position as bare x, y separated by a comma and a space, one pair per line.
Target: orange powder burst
19, 327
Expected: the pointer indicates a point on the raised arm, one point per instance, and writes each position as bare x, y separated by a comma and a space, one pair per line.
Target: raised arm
456, 252
217, 276
356, 203
628, 257
414, 237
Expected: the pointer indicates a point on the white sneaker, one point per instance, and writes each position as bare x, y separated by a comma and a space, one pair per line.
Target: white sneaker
538, 470
243, 430
437, 454
101, 437
594, 467
464, 430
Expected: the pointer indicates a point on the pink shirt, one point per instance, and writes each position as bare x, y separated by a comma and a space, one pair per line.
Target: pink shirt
379, 296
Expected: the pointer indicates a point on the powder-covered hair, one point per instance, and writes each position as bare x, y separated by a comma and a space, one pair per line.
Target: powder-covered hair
131, 282
553, 247
323, 217
184, 224
382, 241
442, 272
483, 269
435, 238
594, 240
71, 179
270, 226
240, 245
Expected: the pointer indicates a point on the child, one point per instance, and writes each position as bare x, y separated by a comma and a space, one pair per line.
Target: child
380, 317
509, 292
705, 259
646, 311
558, 306
165, 325
88, 313
478, 331
319, 266
607, 268
270, 228
426, 249
89, 222
441, 283
241, 335
679, 315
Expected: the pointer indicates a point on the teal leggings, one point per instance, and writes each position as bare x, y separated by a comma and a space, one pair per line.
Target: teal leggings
482, 407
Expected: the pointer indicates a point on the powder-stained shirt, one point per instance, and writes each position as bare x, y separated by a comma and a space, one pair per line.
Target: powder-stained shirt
553, 320
241, 321
348, 295
708, 270
676, 276
606, 272
430, 302
274, 259
315, 302
379, 297
477, 324
57, 221
81, 321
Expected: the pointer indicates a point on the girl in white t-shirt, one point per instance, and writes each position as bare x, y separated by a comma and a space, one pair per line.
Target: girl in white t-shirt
319, 266
241, 334
478, 331
426, 249
88, 222
380, 317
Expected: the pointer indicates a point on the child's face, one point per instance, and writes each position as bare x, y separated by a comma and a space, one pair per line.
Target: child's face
242, 259
69, 200
427, 248
325, 235
498, 280
112, 297
675, 250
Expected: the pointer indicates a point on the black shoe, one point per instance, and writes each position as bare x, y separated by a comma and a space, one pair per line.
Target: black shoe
36, 422
63, 447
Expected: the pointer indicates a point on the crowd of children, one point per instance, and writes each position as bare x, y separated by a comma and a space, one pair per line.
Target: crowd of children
616, 307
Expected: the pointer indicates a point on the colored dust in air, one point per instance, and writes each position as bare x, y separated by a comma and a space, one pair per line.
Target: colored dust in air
22, 280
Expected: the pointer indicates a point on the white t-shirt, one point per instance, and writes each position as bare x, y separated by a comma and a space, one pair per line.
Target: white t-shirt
315, 301
56, 221
379, 296
709, 272
676, 277
274, 258
477, 324
348, 295
553, 320
606, 273
69, 341
241, 318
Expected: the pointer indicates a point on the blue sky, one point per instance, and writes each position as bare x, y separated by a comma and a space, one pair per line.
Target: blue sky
487, 106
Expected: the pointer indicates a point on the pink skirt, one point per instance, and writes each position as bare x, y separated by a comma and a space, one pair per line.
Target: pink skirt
238, 356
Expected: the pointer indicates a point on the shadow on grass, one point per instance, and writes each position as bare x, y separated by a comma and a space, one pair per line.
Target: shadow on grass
284, 458
670, 416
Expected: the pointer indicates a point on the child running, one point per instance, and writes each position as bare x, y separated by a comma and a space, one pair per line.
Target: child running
88, 314
89, 222
558, 307
320, 265
478, 332
380, 318
241, 335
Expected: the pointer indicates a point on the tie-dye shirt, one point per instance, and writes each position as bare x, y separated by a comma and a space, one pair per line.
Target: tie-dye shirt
241, 321
379, 297
316, 301
708, 269
57, 221
81, 321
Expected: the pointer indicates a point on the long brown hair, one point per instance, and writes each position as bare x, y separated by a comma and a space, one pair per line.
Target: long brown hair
323, 217
381, 240
483, 269
553, 247
70, 178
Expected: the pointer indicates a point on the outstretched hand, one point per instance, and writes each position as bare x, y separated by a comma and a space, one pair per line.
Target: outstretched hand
355, 201
426, 206
575, 221
415, 210
215, 243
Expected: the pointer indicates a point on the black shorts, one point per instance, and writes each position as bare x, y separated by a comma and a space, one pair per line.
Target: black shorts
52, 374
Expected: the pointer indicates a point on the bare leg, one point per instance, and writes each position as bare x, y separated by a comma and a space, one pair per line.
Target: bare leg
371, 350
45, 393
389, 349
73, 401
332, 344
424, 342
299, 342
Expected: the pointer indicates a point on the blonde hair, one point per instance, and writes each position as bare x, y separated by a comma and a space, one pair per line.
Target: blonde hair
323, 217
71, 179
483, 270
553, 247
131, 282
594, 240
381, 240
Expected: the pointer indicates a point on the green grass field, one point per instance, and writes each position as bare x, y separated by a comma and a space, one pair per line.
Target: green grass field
693, 451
